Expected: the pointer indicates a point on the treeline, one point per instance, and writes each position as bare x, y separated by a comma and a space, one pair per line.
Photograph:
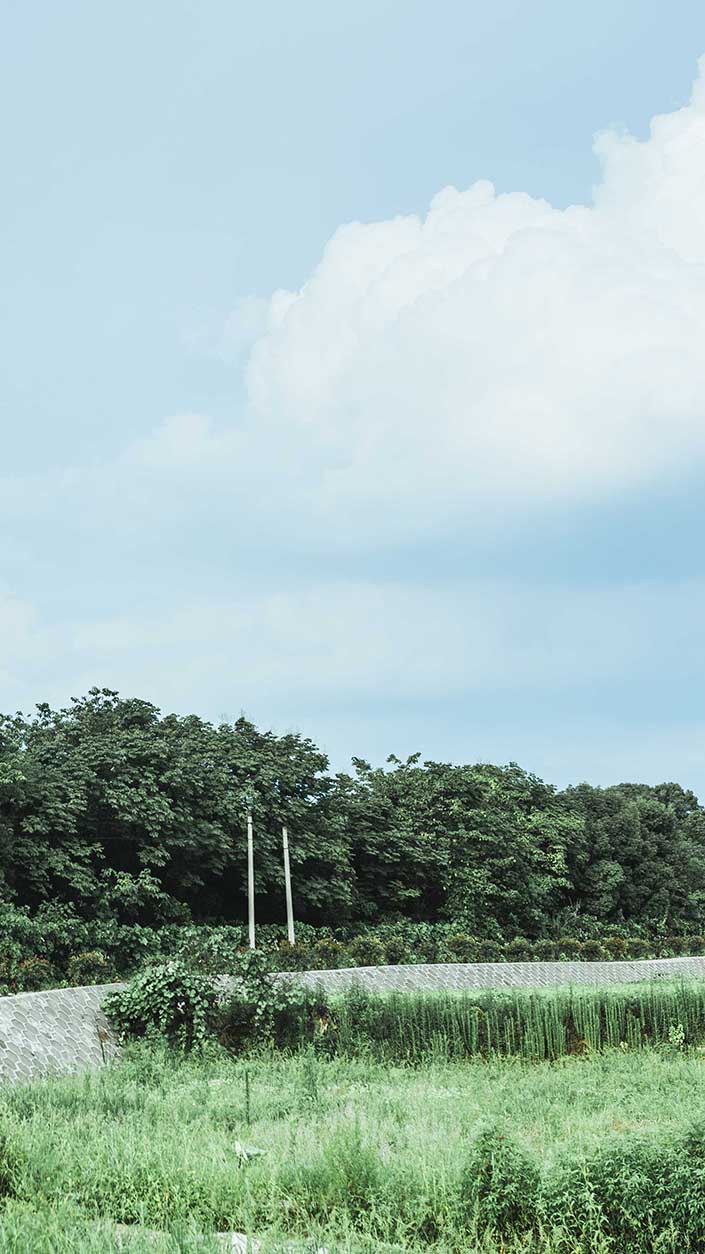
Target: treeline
135, 817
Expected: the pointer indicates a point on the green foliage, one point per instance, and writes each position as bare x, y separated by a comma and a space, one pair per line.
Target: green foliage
12, 1168
118, 826
366, 951
130, 816
499, 1184
603, 1155
539, 1026
462, 948
257, 1010
91, 966
66, 949
32, 974
251, 1009
172, 1000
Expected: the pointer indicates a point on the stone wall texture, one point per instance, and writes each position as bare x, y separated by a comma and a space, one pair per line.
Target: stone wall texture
65, 1030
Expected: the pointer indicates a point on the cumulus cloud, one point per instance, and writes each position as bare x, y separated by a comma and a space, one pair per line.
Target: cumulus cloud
433, 375
499, 350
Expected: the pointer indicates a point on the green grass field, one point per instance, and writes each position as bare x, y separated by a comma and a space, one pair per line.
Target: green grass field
358, 1155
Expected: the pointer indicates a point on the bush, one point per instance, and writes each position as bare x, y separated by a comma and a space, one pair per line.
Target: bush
616, 947
295, 957
489, 951
639, 948
622, 1193
569, 948
366, 951
34, 974
593, 951
89, 967
397, 950
328, 954
462, 948
499, 1185
211, 950
171, 1000
545, 951
519, 950
258, 1010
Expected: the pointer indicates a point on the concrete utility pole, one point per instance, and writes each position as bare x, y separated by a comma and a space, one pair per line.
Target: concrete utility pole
287, 884
250, 880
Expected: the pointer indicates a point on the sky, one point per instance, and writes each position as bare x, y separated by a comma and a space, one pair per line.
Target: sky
352, 373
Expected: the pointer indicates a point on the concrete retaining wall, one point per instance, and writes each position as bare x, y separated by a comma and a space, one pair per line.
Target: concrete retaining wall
65, 1030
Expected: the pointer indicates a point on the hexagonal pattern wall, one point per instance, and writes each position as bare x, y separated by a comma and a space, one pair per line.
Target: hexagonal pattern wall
65, 1030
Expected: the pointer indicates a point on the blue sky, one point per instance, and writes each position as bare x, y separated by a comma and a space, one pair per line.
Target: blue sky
433, 482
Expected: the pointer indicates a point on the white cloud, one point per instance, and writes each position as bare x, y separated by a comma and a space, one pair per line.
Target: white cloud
500, 351
435, 375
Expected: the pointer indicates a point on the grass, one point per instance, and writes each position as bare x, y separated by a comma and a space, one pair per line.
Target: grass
359, 1156
537, 1025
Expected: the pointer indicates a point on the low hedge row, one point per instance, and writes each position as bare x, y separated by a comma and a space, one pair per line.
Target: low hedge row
54, 947
375, 949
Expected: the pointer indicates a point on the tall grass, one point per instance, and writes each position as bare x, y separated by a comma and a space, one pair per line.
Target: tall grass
595, 1153
537, 1026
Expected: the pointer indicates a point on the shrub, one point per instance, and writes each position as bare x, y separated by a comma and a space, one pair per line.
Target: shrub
328, 954
621, 1192
545, 951
211, 950
89, 967
34, 974
592, 951
499, 1185
10, 958
171, 1000
639, 948
569, 948
397, 950
297, 957
519, 950
257, 1009
489, 951
616, 947
462, 948
366, 951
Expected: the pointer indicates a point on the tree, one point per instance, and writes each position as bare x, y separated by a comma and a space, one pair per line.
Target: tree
107, 802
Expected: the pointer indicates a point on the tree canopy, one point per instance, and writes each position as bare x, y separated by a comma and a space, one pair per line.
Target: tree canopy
120, 811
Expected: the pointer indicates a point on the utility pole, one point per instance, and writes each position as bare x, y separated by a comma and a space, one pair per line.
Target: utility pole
250, 880
287, 884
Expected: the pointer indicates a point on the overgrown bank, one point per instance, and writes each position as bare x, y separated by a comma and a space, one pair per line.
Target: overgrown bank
177, 1003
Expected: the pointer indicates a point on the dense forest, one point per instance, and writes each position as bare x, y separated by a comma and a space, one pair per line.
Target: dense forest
121, 812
